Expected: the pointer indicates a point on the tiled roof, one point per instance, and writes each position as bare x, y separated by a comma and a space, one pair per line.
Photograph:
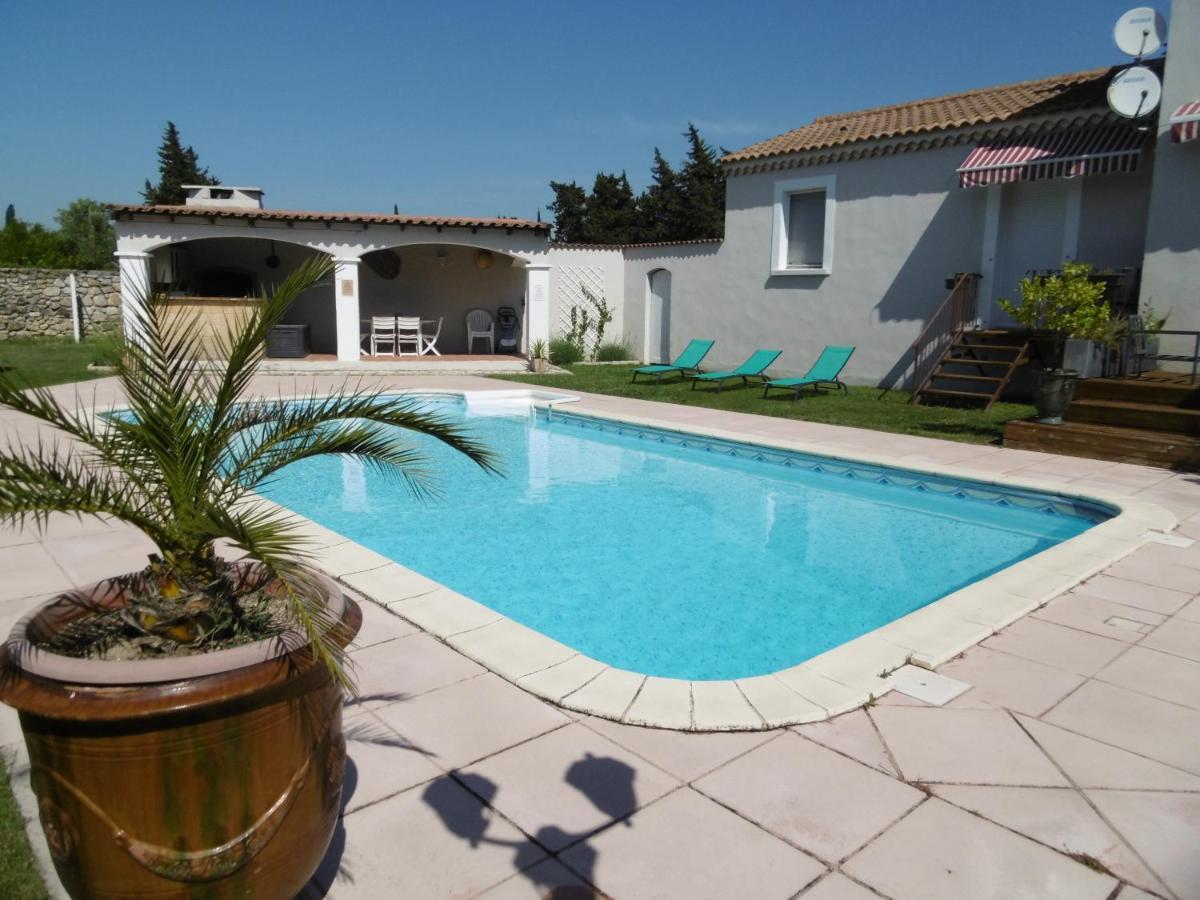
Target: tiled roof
565, 245
293, 215
1059, 94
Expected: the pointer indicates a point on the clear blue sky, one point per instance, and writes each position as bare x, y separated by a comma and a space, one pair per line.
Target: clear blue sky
471, 108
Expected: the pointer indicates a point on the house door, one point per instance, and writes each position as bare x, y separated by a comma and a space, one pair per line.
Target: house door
658, 317
1033, 220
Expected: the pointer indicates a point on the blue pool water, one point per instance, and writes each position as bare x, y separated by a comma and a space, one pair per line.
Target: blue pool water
700, 561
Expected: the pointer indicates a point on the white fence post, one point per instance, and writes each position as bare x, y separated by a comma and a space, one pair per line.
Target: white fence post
74, 307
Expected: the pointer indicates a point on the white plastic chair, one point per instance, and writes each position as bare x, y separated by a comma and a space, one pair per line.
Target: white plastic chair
383, 331
429, 341
408, 332
480, 325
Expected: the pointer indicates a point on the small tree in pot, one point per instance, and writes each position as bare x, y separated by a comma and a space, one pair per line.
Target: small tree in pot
184, 722
1056, 307
538, 356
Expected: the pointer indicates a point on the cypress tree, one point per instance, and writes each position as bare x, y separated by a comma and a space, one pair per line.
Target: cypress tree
661, 205
569, 209
177, 165
10, 215
612, 214
703, 190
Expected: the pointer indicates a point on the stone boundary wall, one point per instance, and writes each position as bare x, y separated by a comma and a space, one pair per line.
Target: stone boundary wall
37, 302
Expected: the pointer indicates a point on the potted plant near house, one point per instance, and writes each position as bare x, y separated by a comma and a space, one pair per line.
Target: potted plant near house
1055, 308
538, 356
184, 722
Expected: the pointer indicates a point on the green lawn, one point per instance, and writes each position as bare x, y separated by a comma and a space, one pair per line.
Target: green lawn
56, 360
19, 875
863, 408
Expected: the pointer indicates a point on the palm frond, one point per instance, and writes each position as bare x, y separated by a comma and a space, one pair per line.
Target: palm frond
35, 482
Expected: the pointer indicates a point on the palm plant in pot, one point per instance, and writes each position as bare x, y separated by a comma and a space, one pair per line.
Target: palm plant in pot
539, 356
1067, 304
184, 722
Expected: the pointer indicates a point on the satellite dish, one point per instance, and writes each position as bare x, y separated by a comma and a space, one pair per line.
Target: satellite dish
1134, 92
1140, 32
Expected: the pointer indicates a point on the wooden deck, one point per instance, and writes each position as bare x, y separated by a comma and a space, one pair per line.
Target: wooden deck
1150, 420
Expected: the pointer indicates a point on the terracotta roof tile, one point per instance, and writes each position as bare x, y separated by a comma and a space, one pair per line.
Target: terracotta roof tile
1059, 94
294, 215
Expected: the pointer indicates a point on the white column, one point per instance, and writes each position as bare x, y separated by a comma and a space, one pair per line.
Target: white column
987, 262
537, 300
1070, 244
135, 288
345, 299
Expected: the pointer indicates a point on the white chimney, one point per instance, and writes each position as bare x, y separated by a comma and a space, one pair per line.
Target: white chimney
223, 195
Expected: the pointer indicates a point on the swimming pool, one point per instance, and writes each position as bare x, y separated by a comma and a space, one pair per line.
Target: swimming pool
677, 555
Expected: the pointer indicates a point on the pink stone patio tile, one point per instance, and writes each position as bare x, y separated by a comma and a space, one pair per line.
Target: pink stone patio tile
565, 785
1060, 818
895, 698
939, 852
685, 755
547, 880
1177, 636
688, 847
1147, 569
379, 625
381, 763
1191, 612
1163, 554
1163, 828
406, 667
1092, 764
852, 734
810, 796
466, 721
1154, 728
1054, 645
28, 570
1160, 675
1001, 680
435, 841
1102, 617
836, 886
11, 537
1129, 892
1133, 593
968, 746
93, 557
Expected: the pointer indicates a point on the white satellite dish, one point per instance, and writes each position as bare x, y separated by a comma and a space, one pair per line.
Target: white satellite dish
1134, 92
1140, 32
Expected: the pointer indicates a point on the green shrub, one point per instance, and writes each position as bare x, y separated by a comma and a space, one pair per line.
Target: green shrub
564, 352
614, 351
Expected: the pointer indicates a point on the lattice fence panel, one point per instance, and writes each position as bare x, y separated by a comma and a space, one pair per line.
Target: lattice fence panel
573, 282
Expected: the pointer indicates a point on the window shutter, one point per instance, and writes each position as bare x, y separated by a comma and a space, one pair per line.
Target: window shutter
806, 230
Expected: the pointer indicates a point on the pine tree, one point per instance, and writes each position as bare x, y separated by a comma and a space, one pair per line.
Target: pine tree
10, 215
703, 190
177, 165
569, 209
612, 213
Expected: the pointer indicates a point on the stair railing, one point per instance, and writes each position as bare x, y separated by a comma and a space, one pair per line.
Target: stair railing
957, 312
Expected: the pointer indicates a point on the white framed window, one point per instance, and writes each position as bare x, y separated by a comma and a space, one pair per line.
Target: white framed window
802, 226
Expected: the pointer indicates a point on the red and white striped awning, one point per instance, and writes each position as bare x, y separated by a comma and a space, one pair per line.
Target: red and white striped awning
1185, 122
1061, 154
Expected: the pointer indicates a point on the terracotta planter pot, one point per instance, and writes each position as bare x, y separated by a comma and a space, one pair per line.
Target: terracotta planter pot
539, 364
215, 775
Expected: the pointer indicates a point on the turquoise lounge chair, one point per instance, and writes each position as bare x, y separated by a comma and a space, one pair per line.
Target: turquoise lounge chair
751, 368
686, 362
824, 371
